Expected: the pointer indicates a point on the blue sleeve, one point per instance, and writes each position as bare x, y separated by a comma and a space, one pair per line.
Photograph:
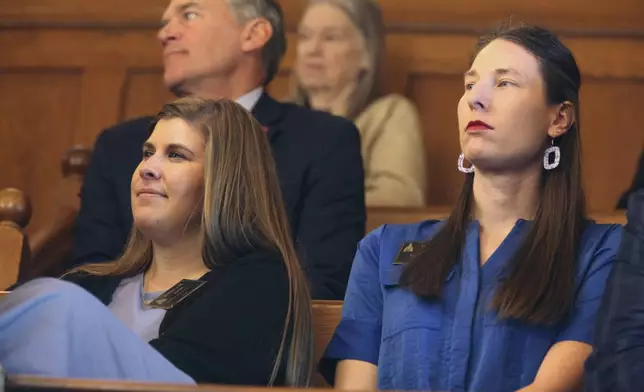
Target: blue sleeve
358, 334
599, 263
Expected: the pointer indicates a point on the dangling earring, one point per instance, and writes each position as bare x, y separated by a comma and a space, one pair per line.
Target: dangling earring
462, 168
546, 156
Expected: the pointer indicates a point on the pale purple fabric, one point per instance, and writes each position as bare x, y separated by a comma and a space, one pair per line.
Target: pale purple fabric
127, 305
54, 328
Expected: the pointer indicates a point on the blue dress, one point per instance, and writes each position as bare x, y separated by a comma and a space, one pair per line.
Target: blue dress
456, 343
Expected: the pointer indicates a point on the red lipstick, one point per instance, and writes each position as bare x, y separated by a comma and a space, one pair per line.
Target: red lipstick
477, 126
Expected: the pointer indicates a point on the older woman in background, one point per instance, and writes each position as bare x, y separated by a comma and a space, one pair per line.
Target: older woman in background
339, 59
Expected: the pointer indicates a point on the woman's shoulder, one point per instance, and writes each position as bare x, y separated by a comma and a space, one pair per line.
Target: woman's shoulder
101, 287
418, 230
389, 103
385, 242
599, 245
601, 236
86, 279
242, 280
257, 265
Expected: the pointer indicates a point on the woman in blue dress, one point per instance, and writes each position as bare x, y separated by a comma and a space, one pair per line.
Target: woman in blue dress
502, 295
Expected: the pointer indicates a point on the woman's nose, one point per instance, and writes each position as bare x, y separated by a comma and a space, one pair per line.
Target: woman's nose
149, 172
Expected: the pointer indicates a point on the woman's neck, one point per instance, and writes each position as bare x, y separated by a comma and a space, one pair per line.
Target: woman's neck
334, 101
501, 199
173, 262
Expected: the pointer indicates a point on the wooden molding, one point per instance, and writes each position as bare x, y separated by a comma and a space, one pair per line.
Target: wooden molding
570, 18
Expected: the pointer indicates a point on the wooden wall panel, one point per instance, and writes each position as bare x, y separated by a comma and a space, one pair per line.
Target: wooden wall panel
617, 17
144, 93
72, 68
37, 111
437, 96
280, 86
612, 137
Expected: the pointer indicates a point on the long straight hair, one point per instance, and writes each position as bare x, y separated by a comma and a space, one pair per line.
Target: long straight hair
242, 212
539, 287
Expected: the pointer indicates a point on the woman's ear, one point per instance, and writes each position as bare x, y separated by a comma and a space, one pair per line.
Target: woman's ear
563, 119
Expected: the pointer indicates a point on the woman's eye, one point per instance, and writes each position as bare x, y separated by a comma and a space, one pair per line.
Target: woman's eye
505, 83
176, 155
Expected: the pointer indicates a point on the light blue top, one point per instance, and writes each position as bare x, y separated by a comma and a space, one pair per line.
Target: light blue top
128, 306
456, 343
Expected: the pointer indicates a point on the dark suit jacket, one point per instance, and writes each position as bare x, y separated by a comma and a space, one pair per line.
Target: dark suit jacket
213, 335
636, 184
320, 170
617, 362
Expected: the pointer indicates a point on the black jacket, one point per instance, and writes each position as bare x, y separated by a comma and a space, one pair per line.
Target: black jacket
617, 361
320, 170
229, 331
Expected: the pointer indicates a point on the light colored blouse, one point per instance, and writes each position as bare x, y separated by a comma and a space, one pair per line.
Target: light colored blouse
128, 306
393, 153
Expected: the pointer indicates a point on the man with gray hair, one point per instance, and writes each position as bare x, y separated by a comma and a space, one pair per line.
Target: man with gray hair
232, 49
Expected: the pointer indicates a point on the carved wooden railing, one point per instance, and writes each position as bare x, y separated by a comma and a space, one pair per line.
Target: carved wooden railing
15, 213
51, 245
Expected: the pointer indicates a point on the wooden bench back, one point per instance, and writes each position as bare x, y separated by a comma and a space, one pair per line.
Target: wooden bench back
326, 317
377, 216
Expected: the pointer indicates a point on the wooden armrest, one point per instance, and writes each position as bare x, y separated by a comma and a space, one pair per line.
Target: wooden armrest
15, 212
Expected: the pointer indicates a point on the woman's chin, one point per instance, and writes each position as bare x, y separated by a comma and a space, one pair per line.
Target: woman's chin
147, 224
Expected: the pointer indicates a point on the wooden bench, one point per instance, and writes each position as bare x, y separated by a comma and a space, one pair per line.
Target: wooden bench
326, 317
377, 216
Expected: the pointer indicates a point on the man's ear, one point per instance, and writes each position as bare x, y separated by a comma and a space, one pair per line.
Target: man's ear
563, 118
256, 33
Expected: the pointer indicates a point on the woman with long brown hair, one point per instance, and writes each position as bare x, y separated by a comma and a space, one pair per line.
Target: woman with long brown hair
502, 294
208, 288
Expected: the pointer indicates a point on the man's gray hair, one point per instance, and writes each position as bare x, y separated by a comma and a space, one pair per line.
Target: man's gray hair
275, 48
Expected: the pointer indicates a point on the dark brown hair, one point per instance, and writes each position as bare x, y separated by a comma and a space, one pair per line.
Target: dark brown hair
242, 211
539, 284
